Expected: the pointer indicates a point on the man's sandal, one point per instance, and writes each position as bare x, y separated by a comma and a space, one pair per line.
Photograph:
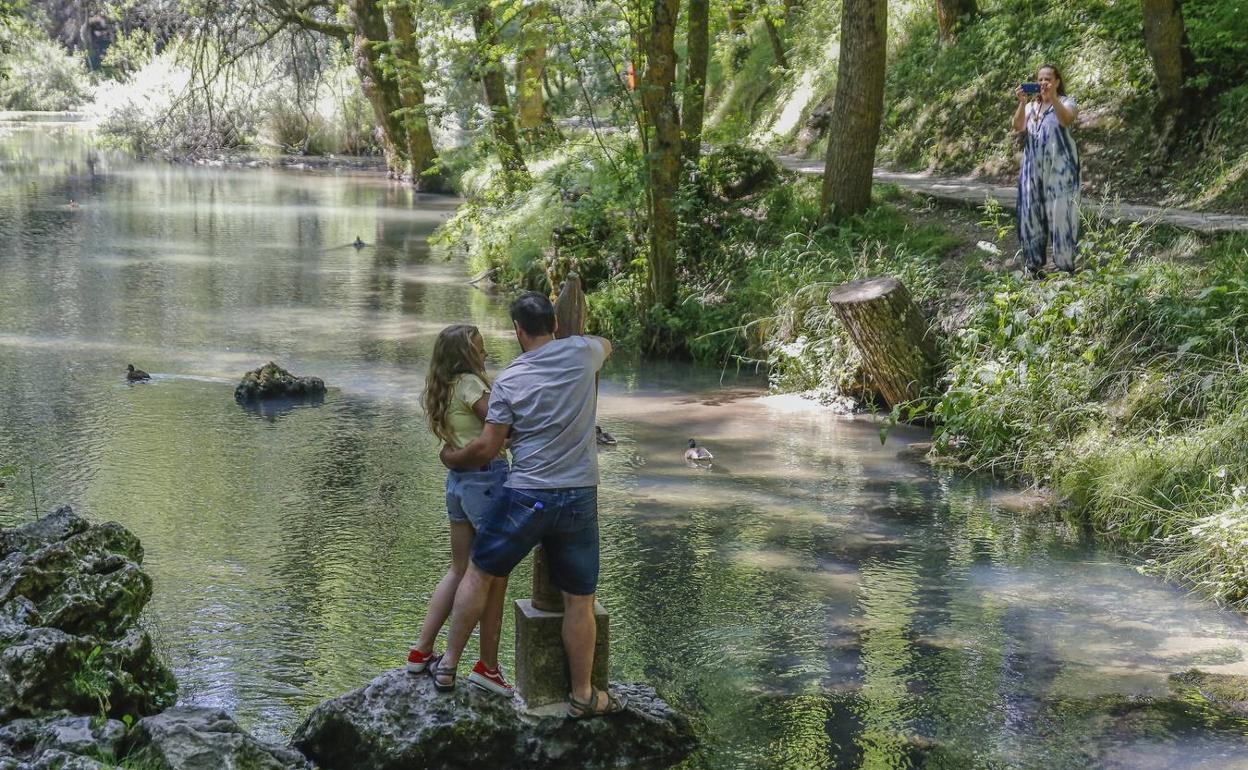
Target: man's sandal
443, 678
578, 709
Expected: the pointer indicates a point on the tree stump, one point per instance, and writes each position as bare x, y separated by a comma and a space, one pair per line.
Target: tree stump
898, 352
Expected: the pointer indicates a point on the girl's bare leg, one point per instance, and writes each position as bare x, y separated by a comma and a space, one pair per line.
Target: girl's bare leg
444, 595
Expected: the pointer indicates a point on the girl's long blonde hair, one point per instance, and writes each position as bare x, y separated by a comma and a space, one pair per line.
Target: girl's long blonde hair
453, 354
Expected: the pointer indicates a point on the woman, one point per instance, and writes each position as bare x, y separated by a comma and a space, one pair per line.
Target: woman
1048, 185
457, 394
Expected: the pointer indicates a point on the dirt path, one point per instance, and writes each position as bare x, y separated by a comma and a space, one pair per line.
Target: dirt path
966, 190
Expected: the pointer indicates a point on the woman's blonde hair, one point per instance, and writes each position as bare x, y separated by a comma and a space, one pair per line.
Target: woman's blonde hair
453, 355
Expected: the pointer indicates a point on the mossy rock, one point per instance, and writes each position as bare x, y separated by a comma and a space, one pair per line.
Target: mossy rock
1225, 692
272, 381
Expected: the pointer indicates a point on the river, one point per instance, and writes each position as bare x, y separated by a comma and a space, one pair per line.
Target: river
814, 600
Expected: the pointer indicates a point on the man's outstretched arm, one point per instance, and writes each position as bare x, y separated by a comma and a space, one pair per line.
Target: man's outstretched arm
479, 451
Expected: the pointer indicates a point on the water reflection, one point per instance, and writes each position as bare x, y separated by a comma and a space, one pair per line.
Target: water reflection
814, 599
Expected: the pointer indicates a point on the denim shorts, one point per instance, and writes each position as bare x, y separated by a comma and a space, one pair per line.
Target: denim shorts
563, 521
472, 496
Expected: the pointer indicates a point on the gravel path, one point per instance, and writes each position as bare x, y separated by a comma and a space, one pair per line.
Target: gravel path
967, 190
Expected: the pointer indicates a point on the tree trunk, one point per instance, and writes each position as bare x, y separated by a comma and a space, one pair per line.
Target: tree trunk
420, 149
535, 124
952, 14
854, 129
898, 351
1166, 38
368, 41
698, 45
663, 159
777, 46
491, 72
570, 320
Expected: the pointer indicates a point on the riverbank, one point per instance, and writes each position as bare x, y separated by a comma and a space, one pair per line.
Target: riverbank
1120, 388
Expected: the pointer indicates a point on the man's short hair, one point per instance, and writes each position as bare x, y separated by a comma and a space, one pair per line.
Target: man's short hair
534, 314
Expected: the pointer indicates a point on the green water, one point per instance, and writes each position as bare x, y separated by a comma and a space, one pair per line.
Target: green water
815, 600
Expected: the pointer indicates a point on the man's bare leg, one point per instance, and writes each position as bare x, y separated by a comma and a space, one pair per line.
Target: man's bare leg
580, 632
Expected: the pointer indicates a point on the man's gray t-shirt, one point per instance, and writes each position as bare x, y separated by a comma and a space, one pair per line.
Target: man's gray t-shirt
549, 397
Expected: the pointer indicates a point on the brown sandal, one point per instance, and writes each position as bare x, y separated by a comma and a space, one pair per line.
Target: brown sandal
443, 678
588, 709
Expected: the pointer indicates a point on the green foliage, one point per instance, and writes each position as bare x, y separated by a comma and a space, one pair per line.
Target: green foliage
37, 74
128, 53
581, 208
165, 107
93, 680
1218, 34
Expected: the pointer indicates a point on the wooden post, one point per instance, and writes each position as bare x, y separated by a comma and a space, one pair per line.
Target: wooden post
898, 352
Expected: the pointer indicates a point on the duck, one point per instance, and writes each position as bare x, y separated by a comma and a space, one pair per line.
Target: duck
73, 204
136, 375
604, 438
359, 243
696, 453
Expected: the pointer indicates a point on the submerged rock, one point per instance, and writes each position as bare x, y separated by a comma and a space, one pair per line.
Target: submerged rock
191, 738
400, 722
1227, 693
272, 381
70, 597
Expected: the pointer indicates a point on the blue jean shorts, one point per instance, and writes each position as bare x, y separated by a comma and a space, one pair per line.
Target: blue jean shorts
473, 496
563, 521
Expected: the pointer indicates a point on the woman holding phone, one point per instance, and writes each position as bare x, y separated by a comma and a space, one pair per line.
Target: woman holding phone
1048, 183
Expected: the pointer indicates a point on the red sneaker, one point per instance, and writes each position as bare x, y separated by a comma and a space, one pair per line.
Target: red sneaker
418, 661
490, 680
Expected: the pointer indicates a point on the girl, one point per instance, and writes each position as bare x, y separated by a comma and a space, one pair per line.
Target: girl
457, 393
1048, 183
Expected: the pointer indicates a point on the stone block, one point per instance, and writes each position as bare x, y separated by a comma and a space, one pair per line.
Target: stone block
541, 665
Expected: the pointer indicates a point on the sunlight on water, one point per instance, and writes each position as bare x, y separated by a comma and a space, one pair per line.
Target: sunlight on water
814, 598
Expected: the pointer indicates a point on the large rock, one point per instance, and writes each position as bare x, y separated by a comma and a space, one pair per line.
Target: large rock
191, 738
60, 743
400, 722
70, 597
273, 382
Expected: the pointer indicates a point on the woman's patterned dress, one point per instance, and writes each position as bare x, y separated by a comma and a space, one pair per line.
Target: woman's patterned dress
1048, 189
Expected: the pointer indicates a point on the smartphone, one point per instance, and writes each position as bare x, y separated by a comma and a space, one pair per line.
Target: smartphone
1031, 88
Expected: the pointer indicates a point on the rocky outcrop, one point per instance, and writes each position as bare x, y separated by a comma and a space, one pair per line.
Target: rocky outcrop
82, 689
70, 597
399, 721
273, 382
190, 738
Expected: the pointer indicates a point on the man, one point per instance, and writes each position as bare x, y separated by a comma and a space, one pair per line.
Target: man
546, 400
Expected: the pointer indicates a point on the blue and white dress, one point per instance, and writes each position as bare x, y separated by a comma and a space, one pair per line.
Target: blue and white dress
1048, 189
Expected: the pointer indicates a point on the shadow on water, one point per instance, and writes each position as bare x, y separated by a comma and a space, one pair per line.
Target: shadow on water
814, 599
272, 408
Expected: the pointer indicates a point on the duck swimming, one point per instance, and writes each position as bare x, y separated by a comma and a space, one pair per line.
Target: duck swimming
136, 375
359, 243
604, 438
696, 453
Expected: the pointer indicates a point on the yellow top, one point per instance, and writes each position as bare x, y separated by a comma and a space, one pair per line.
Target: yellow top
462, 422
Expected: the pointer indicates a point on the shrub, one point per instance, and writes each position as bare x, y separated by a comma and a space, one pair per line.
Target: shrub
37, 74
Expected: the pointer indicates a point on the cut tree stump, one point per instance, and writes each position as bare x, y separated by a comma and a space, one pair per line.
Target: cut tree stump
897, 348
